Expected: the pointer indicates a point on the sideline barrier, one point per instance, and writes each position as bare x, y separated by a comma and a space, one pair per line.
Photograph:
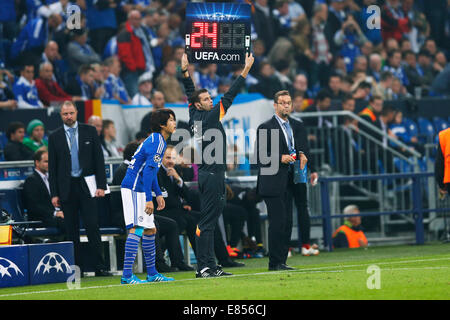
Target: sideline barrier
32, 264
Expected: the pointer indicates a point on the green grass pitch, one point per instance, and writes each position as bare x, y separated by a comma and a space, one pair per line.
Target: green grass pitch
406, 272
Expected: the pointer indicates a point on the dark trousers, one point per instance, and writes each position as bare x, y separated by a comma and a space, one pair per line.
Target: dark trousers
100, 37
235, 216
81, 203
279, 211
168, 230
186, 221
301, 203
212, 191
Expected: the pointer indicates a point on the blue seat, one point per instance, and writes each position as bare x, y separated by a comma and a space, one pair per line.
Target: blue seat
440, 124
413, 129
426, 130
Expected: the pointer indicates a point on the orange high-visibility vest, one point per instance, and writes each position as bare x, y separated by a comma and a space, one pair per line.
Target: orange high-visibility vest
368, 112
444, 140
353, 236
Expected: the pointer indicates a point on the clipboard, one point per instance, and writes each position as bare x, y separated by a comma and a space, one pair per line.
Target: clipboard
92, 185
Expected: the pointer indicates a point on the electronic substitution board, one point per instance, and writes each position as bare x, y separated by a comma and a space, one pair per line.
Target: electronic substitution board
218, 32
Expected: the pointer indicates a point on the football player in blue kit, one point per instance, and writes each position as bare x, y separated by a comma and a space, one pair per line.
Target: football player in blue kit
136, 190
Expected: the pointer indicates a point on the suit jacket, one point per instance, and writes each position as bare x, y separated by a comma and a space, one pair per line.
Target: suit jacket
275, 185
174, 192
90, 156
37, 199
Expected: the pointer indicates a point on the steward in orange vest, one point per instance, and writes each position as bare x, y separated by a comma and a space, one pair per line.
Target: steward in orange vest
442, 164
349, 235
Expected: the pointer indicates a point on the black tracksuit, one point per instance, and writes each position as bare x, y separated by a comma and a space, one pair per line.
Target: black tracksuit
211, 175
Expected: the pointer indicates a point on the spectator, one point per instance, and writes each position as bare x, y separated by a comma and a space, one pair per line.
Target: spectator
413, 72
367, 48
441, 84
8, 26
401, 131
109, 137
145, 87
301, 86
7, 98
15, 150
114, 86
372, 111
300, 38
394, 23
208, 78
350, 234
51, 54
30, 43
79, 52
176, 208
322, 104
420, 29
84, 85
267, 84
99, 79
321, 47
298, 103
35, 139
334, 86
150, 26
440, 62
101, 22
336, 19
157, 100
375, 65
348, 103
348, 41
266, 26
186, 165
424, 63
296, 12
282, 72
281, 13
395, 67
48, 90
399, 90
168, 83
360, 64
383, 89
97, 123
36, 193
362, 16
431, 46
134, 51
25, 89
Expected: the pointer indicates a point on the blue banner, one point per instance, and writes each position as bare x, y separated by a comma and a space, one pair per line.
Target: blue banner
50, 263
14, 266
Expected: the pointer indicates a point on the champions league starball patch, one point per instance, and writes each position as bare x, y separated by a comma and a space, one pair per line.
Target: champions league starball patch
157, 158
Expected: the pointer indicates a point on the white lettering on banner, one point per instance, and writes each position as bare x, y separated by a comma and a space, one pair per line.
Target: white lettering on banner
214, 56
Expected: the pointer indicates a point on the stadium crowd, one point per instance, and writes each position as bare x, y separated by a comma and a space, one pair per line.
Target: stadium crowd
130, 50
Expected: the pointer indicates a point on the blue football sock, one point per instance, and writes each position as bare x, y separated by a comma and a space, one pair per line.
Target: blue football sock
148, 245
131, 249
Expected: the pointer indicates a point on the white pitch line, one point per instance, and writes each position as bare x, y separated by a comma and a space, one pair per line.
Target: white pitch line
303, 271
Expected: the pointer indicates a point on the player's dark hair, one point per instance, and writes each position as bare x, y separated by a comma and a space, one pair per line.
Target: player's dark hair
130, 150
195, 97
13, 127
160, 118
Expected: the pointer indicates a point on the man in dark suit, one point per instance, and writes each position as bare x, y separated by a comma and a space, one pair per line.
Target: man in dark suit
277, 187
75, 157
36, 193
